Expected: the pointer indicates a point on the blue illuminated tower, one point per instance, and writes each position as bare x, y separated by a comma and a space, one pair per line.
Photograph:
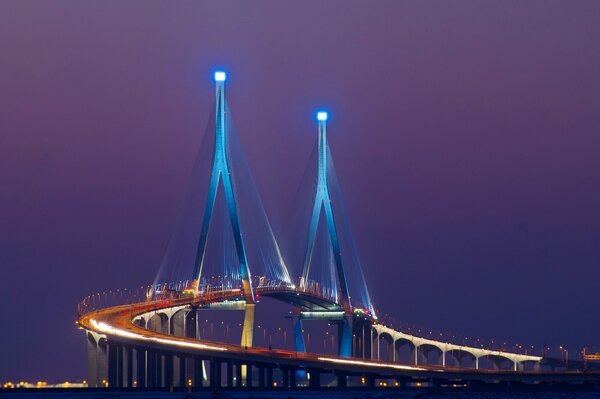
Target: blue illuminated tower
323, 200
221, 172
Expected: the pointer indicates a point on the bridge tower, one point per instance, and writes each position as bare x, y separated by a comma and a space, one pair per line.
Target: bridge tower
323, 201
221, 172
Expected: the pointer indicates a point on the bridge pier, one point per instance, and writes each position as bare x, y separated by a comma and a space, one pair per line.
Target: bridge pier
418, 356
229, 366
315, 378
261, 376
345, 336
190, 323
151, 369
181, 370
285, 377
112, 365
362, 335
160, 369
120, 366
370, 378
177, 324
247, 374
293, 382
168, 359
215, 373
198, 371
341, 379
238, 373
248, 326
140, 367
128, 366
299, 345
92, 352
269, 376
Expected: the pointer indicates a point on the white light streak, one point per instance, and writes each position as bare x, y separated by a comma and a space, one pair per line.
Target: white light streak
368, 364
107, 329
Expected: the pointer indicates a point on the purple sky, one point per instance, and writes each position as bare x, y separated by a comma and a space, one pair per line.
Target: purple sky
466, 137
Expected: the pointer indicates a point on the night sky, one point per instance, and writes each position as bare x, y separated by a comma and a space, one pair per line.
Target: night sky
465, 134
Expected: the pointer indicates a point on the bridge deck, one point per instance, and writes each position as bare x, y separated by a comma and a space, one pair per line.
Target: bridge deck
117, 324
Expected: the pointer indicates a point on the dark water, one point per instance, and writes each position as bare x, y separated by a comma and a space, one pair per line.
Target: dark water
73, 394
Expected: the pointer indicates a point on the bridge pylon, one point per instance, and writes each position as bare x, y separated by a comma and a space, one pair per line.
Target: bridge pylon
323, 201
221, 172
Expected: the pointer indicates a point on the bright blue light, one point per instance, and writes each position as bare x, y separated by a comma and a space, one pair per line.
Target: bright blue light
321, 116
220, 76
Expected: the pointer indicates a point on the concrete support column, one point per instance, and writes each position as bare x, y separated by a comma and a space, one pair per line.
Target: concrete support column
292, 378
128, 366
374, 345
181, 381
477, 363
198, 371
190, 323
176, 370
238, 375
286, 377
248, 326
215, 373
299, 345
166, 324
342, 380
190, 331
370, 380
229, 374
269, 377
422, 356
151, 380
261, 376
177, 323
168, 370
160, 370
120, 366
113, 363
443, 359
416, 354
345, 336
140, 365
102, 362
315, 378
248, 373
92, 352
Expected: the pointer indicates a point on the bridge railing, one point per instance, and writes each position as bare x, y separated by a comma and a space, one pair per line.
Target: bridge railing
209, 289
130, 296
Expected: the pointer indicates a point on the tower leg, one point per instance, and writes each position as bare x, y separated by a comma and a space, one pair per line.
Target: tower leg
345, 337
298, 336
248, 334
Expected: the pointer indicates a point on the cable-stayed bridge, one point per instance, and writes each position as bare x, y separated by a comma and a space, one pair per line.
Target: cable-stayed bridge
225, 255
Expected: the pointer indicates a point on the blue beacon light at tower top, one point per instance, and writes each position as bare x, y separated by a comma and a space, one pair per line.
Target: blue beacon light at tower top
220, 76
321, 116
